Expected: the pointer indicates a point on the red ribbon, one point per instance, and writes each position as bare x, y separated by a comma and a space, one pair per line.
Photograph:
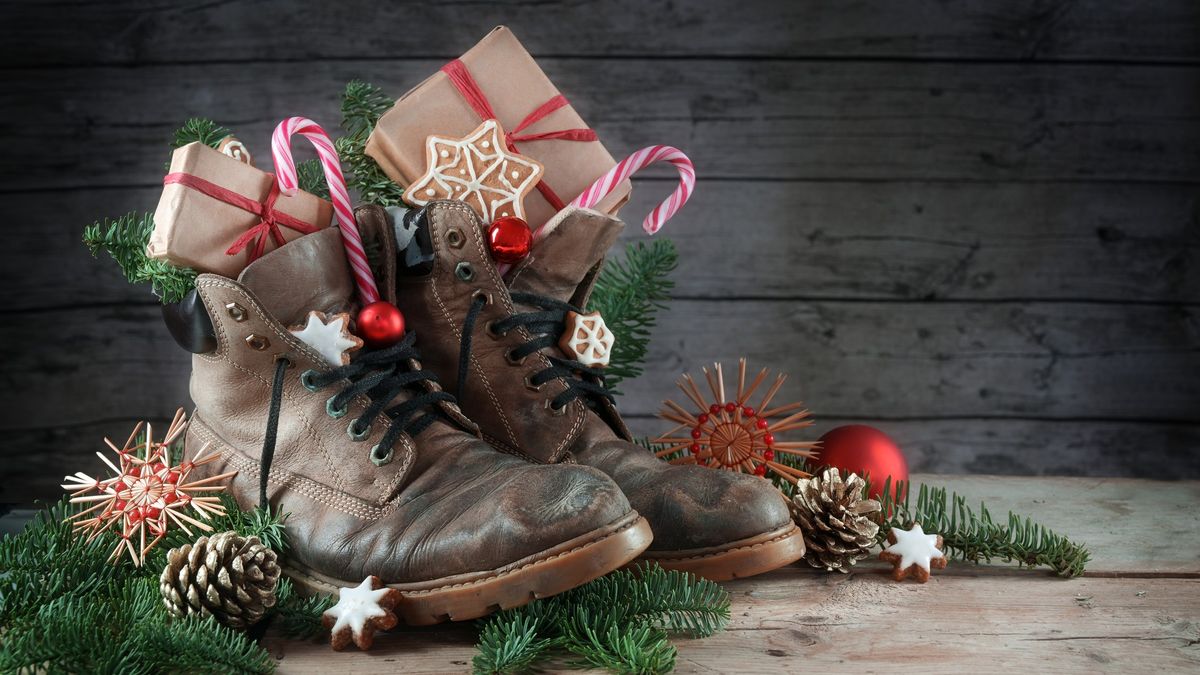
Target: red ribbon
469, 88
269, 218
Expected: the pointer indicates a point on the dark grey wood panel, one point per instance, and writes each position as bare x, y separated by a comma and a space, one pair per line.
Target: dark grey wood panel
55, 32
906, 241
767, 120
848, 359
1020, 447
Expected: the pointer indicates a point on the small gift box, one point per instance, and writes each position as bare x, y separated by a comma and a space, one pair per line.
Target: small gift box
498, 79
218, 215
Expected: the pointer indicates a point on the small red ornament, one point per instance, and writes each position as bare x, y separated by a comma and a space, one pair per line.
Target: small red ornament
510, 239
380, 324
865, 451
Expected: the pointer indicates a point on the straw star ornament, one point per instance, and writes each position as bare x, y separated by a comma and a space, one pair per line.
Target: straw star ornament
728, 433
146, 495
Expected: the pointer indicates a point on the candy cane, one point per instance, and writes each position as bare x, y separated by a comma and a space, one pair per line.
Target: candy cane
285, 169
636, 162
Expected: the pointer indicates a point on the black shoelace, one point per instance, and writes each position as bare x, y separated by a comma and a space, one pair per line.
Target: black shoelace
546, 325
381, 375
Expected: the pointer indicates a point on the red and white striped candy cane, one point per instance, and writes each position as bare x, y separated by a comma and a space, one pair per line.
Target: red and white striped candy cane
634, 163
285, 170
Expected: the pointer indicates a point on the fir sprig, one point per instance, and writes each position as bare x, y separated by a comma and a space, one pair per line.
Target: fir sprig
199, 129
629, 293
362, 106
299, 617
975, 537
622, 622
125, 240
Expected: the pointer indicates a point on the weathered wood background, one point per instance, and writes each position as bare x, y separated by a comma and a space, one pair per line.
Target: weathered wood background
974, 224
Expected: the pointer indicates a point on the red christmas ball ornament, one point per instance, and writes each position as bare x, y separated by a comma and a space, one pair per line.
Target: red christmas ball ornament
865, 451
510, 239
380, 324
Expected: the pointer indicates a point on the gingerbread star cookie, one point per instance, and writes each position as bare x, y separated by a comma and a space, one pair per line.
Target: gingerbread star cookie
329, 336
914, 553
359, 612
479, 170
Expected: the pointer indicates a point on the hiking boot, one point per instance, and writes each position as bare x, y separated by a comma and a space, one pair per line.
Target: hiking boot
494, 344
377, 469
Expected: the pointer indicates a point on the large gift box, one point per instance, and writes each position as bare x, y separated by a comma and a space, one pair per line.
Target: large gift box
498, 79
218, 215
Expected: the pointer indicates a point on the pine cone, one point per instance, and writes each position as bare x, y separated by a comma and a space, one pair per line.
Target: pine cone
227, 576
834, 517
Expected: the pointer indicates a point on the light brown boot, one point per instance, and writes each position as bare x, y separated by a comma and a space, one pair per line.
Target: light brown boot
532, 401
378, 470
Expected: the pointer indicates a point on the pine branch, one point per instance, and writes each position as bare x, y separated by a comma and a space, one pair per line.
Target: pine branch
976, 537
125, 240
628, 294
362, 106
310, 177
299, 618
621, 622
199, 129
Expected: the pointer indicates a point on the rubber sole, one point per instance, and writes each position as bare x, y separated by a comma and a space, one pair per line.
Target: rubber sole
736, 560
470, 596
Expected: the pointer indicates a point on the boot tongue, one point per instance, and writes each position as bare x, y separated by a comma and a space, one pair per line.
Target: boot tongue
565, 260
309, 273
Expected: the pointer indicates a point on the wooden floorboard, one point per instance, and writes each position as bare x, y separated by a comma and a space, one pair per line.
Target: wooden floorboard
132, 31
768, 120
1139, 613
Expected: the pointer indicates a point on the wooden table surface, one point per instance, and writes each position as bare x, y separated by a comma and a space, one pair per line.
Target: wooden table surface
1137, 609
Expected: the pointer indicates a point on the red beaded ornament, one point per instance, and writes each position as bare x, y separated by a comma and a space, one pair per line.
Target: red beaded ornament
380, 324
509, 239
733, 435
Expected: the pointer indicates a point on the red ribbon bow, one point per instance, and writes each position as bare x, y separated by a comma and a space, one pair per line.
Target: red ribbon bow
469, 88
269, 218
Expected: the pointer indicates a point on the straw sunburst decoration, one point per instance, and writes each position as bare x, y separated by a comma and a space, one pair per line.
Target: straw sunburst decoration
728, 433
146, 495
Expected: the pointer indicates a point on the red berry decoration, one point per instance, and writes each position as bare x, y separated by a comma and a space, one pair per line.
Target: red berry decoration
380, 324
723, 439
865, 451
509, 239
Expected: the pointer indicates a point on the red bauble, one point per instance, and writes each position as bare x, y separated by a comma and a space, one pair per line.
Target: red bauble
865, 451
510, 239
380, 324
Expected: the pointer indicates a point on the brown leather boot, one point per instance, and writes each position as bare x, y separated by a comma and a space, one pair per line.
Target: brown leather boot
377, 469
530, 400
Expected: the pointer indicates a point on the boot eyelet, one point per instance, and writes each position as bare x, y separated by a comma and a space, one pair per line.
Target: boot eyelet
557, 412
480, 293
455, 238
512, 360
333, 412
379, 456
306, 380
530, 385
258, 343
490, 329
464, 271
355, 433
286, 359
236, 312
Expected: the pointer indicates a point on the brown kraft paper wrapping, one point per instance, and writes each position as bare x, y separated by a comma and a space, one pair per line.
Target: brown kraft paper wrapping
192, 229
515, 86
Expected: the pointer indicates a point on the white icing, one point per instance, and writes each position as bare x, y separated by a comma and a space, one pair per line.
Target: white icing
590, 341
462, 167
356, 606
914, 547
330, 340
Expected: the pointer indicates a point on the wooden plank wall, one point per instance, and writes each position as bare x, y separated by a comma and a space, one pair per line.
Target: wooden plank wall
972, 224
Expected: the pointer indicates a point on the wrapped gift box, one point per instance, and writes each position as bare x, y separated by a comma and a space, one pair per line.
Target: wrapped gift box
499, 71
212, 203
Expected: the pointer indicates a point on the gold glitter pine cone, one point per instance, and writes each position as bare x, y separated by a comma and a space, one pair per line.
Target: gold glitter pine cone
230, 577
838, 524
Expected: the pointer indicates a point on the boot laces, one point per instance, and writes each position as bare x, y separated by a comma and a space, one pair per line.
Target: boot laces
546, 324
379, 374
